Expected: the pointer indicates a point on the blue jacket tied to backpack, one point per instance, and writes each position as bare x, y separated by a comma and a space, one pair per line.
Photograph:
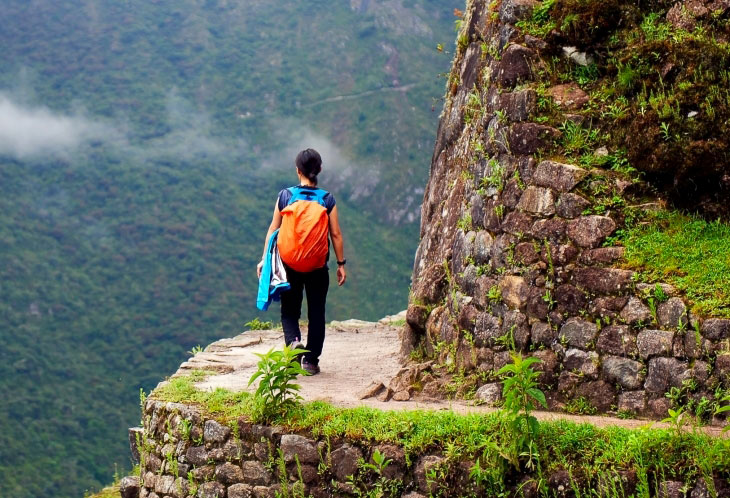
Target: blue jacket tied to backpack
273, 275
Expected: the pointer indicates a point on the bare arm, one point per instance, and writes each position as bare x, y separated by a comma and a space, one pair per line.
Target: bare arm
338, 243
275, 223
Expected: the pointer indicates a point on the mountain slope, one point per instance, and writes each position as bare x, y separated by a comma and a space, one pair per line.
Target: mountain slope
142, 145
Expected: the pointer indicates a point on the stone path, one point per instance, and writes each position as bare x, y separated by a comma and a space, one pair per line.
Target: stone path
357, 355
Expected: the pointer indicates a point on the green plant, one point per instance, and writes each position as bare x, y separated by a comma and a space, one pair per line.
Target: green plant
494, 293
464, 223
521, 397
196, 349
257, 324
659, 294
276, 373
581, 406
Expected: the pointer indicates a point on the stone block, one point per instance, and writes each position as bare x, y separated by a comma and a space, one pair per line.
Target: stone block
547, 367
483, 242
568, 382
529, 138
294, 445
525, 253
663, 374
602, 280
517, 222
635, 312
488, 328
579, 333
515, 291
165, 485
616, 340
716, 329
589, 231
632, 401
196, 455
602, 255
722, 368
652, 343
570, 299
129, 487
551, 229
672, 313
571, 205
543, 334
599, 393
136, 437
537, 200
213, 432
515, 66
517, 106
511, 11
256, 474
628, 373
420, 473
344, 461
670, 489
582, 362
558, 176
490, 394
240, 491
211, 490
228, 473
569, 96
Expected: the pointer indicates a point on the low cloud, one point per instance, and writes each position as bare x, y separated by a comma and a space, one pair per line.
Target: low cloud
33, 132
339, 171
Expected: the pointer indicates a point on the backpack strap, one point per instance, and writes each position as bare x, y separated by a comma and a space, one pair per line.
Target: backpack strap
298, 193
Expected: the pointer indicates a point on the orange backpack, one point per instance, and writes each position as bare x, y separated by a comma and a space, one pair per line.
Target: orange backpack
302, 241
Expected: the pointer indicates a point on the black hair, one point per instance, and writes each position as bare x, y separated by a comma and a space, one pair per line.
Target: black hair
309, 163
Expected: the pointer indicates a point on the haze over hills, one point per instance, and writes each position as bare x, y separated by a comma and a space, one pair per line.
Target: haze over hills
142, 144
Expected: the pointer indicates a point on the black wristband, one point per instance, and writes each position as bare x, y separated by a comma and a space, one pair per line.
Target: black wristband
342, 263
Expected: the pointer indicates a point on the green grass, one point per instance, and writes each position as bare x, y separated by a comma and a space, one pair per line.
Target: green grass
687, 252
585, 449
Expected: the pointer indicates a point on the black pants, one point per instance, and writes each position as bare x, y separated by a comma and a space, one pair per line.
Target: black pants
316, 283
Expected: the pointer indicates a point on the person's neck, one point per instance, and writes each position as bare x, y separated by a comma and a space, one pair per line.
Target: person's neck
306, 183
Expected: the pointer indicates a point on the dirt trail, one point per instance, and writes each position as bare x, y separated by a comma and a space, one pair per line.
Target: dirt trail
356, 353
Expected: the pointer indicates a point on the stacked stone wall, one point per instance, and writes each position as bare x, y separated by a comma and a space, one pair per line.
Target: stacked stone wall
184, 454
512, 250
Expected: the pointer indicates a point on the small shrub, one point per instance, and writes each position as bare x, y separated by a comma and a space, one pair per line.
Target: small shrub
257, 324
276, 372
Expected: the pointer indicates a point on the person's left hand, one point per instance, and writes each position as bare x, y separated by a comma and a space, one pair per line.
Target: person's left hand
341, 275
259, 267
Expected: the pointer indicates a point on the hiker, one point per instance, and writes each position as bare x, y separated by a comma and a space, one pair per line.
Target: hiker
306, 217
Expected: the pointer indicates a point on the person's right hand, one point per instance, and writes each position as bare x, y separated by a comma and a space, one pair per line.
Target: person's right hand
259, 267
341, 274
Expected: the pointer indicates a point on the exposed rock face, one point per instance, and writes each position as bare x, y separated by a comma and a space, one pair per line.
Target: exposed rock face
534, 268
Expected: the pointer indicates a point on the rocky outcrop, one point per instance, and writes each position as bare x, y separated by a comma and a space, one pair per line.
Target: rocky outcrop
514, 249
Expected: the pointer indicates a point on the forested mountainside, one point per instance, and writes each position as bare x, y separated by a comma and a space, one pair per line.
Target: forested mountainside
142, 144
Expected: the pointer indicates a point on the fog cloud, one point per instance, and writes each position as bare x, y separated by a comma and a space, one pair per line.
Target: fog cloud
339, 171
31, 132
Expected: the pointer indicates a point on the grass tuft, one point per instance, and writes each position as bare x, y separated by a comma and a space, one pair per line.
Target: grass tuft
688, 252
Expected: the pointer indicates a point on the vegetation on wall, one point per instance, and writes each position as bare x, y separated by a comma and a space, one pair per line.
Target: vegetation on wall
658, 89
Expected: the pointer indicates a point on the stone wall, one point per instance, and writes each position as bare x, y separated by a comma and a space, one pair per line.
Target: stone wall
508, 252
185, 454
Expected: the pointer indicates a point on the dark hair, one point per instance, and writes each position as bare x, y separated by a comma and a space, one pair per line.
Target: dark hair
309, 163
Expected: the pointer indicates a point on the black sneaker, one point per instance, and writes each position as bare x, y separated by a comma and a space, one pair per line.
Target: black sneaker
296, 345
310, 368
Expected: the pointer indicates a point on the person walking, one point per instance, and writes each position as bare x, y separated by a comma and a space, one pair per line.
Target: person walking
307, 219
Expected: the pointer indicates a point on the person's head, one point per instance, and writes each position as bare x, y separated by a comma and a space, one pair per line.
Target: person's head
309, 164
